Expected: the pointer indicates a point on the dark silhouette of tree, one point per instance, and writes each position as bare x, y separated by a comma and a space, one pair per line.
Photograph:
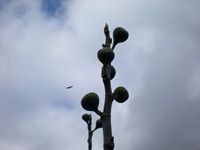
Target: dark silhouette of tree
90, 101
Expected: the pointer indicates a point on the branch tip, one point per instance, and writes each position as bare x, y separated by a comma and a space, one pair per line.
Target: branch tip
108, 40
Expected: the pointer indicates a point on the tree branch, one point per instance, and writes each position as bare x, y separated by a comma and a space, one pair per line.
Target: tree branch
108, 40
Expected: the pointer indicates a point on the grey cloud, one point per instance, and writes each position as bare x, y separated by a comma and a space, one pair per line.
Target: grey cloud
165, 112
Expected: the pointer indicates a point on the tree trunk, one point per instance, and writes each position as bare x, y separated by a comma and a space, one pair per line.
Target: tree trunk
106, 117
108, 139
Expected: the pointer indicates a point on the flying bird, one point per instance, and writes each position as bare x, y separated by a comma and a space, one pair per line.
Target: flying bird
69, 87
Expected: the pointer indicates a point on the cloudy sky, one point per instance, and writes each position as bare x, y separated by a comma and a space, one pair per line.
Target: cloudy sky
46, 45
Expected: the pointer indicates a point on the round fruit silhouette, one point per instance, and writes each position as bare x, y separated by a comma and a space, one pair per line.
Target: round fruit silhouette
90, 101
105, 55
120, 94
119, 35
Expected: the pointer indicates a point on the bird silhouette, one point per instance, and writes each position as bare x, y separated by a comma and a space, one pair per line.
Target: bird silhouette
69, 87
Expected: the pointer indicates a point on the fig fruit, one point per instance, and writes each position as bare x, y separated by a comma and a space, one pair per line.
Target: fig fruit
86, 117
120, 94
112, 72
90, 101
105, 55
119, 35
98, 124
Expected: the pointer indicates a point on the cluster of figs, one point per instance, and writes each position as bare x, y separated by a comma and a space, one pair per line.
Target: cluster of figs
88, 118
90, 101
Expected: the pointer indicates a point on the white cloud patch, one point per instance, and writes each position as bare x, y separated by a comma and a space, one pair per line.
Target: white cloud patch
159, 65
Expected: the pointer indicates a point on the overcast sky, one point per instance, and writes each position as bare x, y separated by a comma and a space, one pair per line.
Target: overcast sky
46, 45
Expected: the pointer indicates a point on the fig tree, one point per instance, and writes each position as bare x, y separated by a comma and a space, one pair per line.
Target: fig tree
105, 55
90, 101
120, 94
